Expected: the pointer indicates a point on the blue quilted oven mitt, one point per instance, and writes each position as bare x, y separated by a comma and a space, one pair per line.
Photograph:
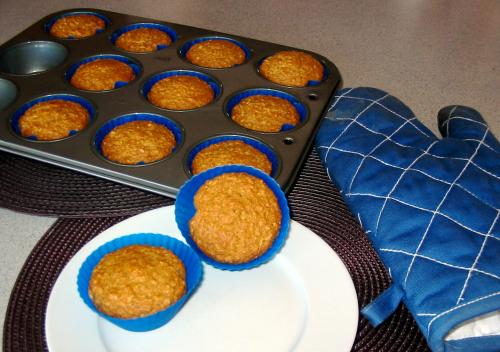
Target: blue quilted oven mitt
430, 207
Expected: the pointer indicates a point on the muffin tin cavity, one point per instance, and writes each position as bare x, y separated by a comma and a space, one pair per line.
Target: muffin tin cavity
134, 65
32, 57
166, 29
300, 107
261, 146
14, 122
53, 20
8, 92
162, 120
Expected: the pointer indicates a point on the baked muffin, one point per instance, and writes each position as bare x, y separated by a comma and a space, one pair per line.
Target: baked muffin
237, 218
143, 40
136, 281
181, 93
53, 119
230, 152
101, 74
77, 26
215, 53
292, 68
265, 113
138, 141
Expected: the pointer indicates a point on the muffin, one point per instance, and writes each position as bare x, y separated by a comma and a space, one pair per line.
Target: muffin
265, 113
230, 152
292, 68
237, 218
53, 119
181, 93
137, 281
142, 40
138, 141
102, 74
216, 53
77, 26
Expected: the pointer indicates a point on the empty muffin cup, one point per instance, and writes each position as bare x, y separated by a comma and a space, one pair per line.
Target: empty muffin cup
32, 57
163, 28
8, 92
82, 30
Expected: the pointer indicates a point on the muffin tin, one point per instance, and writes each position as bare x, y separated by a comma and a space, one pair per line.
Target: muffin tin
35, 65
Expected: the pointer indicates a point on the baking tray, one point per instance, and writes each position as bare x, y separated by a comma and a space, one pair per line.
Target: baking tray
35, 64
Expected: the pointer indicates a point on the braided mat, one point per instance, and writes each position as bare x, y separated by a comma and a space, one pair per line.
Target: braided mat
313, 200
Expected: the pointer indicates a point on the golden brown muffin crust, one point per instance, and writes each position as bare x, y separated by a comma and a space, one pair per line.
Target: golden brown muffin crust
292, 68
138, 141
137, 281
143, 40
264, 113
237, 218
215, 53
53, 119
181, 93
101, 74
77, 26
230, 152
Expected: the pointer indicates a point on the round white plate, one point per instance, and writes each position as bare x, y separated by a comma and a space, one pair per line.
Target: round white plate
302, 300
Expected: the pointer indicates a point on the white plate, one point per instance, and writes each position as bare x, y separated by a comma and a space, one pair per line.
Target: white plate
302, 300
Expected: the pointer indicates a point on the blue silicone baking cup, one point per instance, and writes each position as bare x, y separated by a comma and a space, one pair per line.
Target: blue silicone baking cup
189, 258
261, 146
185, 48
300, 107
135, 66
51, 22
166, 29
185, 210
162, 120
212, 82
14, 122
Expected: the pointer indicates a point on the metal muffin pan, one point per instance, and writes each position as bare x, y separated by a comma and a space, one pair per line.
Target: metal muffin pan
35, 64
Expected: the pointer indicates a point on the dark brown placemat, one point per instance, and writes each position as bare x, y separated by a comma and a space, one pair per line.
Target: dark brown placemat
314, 202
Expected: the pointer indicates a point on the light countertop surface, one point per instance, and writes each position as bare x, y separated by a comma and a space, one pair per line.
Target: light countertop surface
428, 53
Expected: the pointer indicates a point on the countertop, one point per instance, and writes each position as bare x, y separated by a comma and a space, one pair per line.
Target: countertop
428, 53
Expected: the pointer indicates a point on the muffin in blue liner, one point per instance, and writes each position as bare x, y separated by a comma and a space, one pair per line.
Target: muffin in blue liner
185, 48
216, 87
166, 29
261, 146
51, 22
108, 126
301, 108
185, 210
311, 83
189, 258
118, 84
14, 122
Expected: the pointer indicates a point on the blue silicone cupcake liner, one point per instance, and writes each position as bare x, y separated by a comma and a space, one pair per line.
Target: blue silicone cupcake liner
14, 122
165, 121
118, 84
212, 82
166, 29
51, 22
189, 258
261, 146
185, 48
185, 210
301, 108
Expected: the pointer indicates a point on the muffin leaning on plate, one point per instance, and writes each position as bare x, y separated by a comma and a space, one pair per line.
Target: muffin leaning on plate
143, 40
102, 74
77, 26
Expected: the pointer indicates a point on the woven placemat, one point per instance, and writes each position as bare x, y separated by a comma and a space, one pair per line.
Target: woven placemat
314, 202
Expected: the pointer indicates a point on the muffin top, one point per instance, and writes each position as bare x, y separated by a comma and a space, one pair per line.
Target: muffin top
143, 40
101, 74
77, 26
237, 218
181, 93
215, 53
292, 68
230, 152
136, 281
53, 119
265, 113
138, 141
